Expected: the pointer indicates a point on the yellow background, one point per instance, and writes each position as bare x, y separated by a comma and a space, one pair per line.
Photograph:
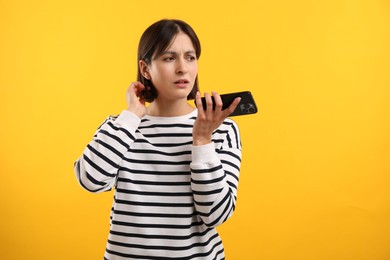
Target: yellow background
316, 167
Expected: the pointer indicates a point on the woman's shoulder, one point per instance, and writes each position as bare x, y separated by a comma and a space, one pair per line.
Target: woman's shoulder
229, 122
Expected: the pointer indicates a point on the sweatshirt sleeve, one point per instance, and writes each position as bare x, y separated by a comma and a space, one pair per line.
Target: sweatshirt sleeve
215, 175
96, 170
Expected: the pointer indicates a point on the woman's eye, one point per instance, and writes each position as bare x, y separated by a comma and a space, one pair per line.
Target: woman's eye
169, 58
191, 58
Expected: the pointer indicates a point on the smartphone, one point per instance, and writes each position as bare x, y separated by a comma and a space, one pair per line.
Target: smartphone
246, 106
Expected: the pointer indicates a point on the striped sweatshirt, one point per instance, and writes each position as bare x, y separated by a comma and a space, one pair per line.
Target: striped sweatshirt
169, 195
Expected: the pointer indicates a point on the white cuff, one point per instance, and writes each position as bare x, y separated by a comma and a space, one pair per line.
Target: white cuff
204, 153
128, 120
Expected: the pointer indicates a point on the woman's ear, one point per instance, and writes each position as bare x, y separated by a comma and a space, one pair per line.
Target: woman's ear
144, 68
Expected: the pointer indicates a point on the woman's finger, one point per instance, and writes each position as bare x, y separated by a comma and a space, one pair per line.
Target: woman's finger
209, 106
134, 91
218, 104
232, 106
199, 105
139, 87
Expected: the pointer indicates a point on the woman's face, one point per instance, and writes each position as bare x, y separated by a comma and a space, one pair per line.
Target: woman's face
173, 73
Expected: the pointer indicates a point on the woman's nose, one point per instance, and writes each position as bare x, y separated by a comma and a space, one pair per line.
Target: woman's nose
181, 66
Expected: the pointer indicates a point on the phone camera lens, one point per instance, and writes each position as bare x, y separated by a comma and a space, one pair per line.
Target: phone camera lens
247, 108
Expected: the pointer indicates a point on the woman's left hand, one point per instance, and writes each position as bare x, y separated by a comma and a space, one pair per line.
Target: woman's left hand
210, 119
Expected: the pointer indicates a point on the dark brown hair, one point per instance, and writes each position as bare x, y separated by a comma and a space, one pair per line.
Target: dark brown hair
154, 41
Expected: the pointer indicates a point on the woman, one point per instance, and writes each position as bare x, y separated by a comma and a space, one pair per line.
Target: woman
175, 167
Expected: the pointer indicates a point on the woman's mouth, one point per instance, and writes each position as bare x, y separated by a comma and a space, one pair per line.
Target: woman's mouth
181, 83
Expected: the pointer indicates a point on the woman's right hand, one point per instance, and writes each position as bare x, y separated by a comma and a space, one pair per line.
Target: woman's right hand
135, 102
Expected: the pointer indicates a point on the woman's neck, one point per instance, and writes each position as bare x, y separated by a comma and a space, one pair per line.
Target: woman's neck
169, 109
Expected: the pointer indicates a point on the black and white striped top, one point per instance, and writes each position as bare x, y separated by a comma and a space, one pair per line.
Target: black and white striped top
169, 195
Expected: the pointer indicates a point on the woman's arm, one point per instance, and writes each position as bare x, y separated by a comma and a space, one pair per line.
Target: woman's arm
96, 170
215, 175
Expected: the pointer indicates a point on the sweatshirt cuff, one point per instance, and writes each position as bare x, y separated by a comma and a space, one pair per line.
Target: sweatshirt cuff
128, 120
204, 153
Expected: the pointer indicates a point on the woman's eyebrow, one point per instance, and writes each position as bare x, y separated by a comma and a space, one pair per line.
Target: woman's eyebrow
175, 52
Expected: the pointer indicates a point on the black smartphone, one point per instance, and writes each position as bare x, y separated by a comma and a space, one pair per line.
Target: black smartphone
246, 106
